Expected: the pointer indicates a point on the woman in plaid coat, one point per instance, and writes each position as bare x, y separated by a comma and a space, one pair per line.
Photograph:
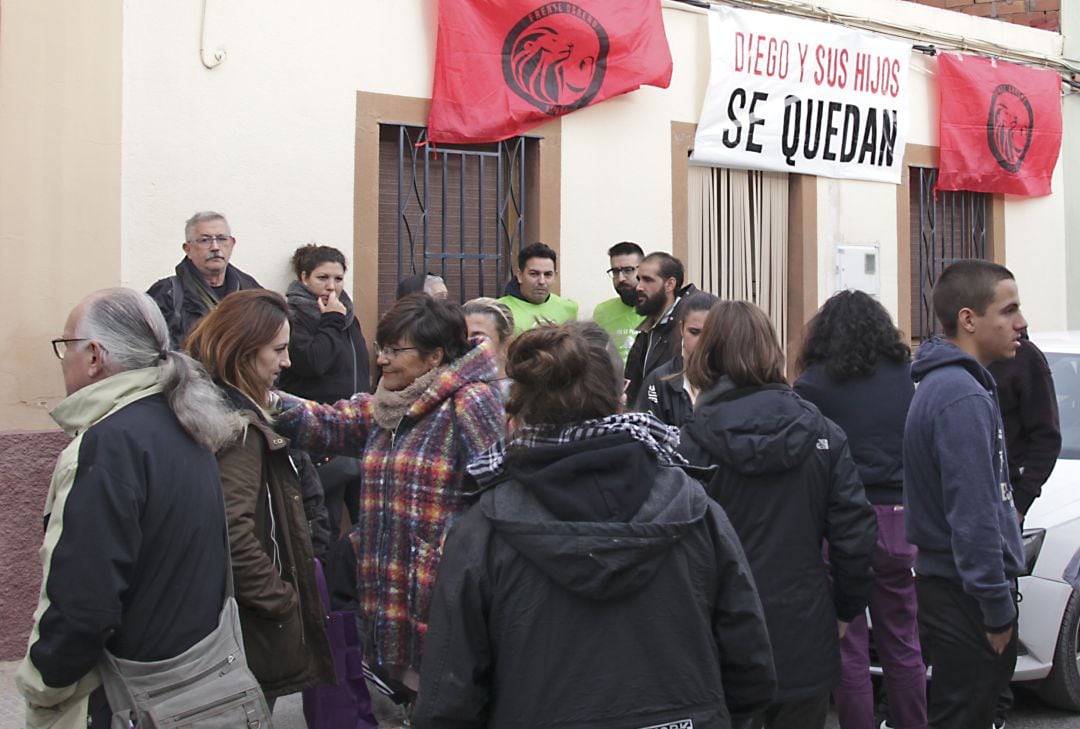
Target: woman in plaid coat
433, 411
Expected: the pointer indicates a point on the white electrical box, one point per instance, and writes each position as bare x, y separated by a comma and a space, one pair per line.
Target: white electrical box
857, 268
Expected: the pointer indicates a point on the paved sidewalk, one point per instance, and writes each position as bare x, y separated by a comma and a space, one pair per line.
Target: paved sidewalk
11, 703
288, 713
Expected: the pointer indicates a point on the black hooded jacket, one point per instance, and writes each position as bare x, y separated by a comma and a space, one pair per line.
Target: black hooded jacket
593, 587
328, 352
787, 482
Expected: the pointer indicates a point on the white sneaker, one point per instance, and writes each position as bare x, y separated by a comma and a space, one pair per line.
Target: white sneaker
884, 725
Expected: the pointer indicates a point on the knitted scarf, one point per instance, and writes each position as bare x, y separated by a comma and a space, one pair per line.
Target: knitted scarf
390, 406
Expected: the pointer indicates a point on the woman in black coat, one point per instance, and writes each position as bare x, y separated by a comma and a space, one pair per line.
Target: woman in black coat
594, 584
330, 360
787, 482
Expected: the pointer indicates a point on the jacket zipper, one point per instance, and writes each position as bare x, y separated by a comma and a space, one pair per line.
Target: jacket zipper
210, 707
188, 681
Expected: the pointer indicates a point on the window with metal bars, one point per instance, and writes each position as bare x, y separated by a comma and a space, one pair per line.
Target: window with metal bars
455, 211
945, 227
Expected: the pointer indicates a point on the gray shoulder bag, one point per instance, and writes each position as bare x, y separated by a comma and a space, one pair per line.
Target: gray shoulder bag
208, 686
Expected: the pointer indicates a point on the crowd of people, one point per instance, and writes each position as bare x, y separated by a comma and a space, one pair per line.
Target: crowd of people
635, 520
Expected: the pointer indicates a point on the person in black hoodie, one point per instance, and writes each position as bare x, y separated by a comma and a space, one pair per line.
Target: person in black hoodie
852, 355
786, 479
594, 584
330, 361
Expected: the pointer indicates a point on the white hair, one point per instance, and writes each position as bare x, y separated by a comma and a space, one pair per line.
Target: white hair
129, 328
201, 217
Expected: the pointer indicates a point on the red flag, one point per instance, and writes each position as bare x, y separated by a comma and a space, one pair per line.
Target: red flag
505, 66
1000, 126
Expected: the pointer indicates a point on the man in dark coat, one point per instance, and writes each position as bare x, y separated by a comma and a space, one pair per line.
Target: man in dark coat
135, 549
1032, 437
660, 290
202, 279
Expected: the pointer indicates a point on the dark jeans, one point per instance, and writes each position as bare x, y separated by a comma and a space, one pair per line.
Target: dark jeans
896, 636
968, 676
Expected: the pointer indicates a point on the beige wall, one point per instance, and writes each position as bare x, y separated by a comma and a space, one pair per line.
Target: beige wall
269, 138
60, 69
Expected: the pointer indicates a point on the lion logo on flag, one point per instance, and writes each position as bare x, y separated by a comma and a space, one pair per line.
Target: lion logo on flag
555, 58
1009, 127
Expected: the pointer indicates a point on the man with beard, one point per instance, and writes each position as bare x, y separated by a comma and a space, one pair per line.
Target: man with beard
660, 290
530, 299
203, 277
618, 316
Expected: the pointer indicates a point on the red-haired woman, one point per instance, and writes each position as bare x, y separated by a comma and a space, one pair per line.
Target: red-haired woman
244, 344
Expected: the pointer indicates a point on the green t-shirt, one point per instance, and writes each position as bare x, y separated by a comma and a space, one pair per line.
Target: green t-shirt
526, 315
620, 321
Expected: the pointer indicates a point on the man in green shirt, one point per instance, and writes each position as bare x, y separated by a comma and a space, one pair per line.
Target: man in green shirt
531, 300
617, 316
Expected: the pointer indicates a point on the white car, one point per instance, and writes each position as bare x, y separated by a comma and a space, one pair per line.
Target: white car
1050, 608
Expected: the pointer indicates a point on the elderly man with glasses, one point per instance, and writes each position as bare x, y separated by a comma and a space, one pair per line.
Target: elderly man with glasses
203, 277
617, 316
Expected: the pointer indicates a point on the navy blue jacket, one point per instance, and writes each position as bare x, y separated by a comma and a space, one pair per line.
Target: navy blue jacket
871, 410
957, 495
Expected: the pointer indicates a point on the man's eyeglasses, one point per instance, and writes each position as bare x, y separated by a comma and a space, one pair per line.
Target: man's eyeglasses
391, 352
622, 271
205, 241
59, 345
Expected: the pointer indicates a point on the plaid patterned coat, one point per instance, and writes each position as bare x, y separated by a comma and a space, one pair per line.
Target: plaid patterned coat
412, 490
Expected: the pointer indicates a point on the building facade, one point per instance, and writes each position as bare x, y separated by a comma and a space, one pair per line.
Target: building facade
119, 120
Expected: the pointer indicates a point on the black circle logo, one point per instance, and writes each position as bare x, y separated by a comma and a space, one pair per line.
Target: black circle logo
1009, 127
556, 57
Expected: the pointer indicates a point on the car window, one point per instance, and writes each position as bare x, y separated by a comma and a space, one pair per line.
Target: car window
1066, 371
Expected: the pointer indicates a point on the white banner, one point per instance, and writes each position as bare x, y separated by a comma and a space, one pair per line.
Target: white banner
793, 95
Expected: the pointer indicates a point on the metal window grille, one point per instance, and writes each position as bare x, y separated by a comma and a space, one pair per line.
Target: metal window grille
457, 212
945, 227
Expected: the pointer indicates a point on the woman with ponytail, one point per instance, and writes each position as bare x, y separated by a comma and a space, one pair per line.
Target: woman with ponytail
594, 584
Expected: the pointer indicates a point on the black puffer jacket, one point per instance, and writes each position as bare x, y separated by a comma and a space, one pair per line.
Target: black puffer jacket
328, 352
593, 588
787, 482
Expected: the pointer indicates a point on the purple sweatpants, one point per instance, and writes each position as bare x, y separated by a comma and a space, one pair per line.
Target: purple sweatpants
896, 637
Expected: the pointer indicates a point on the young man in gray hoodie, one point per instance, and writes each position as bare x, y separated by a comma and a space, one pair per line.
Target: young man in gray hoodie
957, 495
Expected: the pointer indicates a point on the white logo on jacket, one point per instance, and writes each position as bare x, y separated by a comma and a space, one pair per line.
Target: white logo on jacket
680, 724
